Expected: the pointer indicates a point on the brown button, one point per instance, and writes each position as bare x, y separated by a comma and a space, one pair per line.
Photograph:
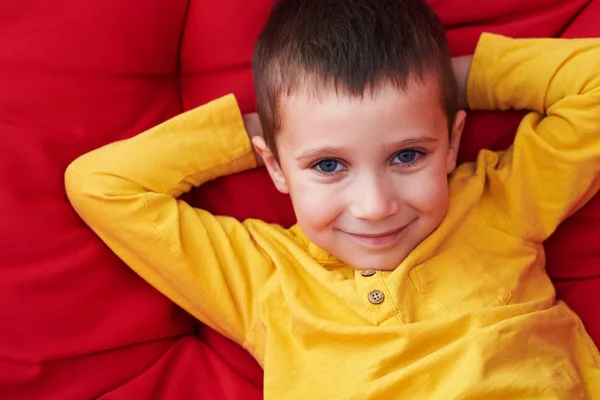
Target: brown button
367, 272
376, 297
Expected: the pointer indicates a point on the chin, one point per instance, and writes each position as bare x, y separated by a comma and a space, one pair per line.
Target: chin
378, 263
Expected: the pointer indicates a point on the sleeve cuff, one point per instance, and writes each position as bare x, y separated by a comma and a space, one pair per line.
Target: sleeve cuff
240, 156
482, 80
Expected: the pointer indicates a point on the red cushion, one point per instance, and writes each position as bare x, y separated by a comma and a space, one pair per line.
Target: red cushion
76, 322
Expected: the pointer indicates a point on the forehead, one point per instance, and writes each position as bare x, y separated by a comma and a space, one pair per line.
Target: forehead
333, 118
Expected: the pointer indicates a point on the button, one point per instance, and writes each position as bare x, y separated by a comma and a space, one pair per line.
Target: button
367, 272
376, 297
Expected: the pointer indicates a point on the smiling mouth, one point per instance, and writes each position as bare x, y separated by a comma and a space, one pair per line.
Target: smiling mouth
378, 239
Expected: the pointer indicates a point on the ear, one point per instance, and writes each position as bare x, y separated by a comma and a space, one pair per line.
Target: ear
271, 163
454, 144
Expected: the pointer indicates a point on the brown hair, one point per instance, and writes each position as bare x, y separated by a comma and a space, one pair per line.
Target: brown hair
351, 46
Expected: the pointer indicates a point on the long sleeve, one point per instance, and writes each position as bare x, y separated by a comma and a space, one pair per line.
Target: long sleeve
553, 167
127, 193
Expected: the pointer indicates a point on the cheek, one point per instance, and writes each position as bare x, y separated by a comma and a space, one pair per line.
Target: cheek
316, 205
427, 191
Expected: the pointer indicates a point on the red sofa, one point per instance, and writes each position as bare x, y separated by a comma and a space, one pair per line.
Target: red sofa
75, 323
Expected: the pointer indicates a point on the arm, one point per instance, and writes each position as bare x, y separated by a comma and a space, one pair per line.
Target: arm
127, 193
253, 128
461, 67
553, 167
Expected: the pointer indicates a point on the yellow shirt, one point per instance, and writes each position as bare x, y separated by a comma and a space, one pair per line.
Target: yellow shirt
471, 313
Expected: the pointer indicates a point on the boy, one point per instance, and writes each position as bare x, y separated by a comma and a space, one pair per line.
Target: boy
404, 278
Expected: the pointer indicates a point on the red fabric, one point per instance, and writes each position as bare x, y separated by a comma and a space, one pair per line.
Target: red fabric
76, 322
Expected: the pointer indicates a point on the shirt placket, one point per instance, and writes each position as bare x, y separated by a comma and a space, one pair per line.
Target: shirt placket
375, 296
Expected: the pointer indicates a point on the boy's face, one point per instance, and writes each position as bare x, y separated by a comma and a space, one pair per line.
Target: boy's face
367, 177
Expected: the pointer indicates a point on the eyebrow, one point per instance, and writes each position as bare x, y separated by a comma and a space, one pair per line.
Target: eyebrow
413, 140
328, 150
317, 152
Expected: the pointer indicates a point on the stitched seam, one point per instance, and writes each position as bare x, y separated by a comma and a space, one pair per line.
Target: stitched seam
416, 281
389, 293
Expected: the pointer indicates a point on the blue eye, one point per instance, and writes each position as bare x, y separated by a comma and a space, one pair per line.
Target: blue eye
407, 156
328, 166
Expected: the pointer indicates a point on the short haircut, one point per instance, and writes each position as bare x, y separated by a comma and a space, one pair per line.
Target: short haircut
350, 46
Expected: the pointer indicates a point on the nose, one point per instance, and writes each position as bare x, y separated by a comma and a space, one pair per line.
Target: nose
374, 199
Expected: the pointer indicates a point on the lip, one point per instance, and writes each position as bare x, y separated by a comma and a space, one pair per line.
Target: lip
379, 239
